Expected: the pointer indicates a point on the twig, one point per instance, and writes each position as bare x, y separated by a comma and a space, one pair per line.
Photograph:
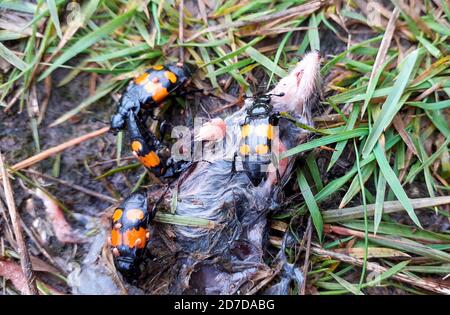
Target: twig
9, 233
306, 262
418, 282
399, 125
44, 104
328, 228
42, 249
74, 186
15, 219
59, 148
383, 49
202, 9
268, 279
345, 214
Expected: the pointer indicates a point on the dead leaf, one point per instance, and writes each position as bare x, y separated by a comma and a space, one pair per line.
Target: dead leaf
63, 231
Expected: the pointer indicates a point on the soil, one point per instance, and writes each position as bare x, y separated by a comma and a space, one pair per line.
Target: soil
81, 164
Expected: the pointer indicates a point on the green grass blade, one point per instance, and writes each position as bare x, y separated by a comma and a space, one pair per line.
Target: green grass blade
444, 269
311, 203
393, 102
394, 183
314, 170
431, 106
327, 67
355, 186
20, 6
428, 161
388, 273
264, 61
396, 229
349, 286
230, 68
102, 90
119, 169
439, 120
340, 146
373, 83
232, 54
429, 46
345, 135
184, 220
279, 51
379, 201
87, 41
313, 33
11, 57
54, 16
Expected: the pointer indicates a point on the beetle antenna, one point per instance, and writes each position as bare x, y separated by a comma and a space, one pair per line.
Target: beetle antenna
258, 95
280, 94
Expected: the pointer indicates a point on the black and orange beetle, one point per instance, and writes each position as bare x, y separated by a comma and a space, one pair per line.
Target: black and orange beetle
149, 90
130, 233
257, 133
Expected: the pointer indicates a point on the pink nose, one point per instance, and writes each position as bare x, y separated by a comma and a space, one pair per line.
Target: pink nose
318, 54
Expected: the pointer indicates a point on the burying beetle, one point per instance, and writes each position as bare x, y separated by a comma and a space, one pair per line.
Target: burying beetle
130, 233
149, 90
257, 134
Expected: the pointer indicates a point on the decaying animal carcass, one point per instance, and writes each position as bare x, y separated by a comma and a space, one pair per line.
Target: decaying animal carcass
227, 256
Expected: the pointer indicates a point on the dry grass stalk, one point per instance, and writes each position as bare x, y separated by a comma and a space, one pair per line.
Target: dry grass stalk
59, 148
307, 253
418, 282
301, 10
74, 186
15, 219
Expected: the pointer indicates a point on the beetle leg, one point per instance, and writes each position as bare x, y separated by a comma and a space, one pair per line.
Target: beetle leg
187, 92
164, 128
233, 164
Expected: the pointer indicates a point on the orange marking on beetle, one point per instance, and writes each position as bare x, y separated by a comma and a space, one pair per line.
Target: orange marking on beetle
261, 149
270, 132
246, 130
158, 67
117, 215
150, 160
131, 236
244, 149
160, 94
135, 214
116, 238
141, 79
170, 76
157, 91
136, 146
